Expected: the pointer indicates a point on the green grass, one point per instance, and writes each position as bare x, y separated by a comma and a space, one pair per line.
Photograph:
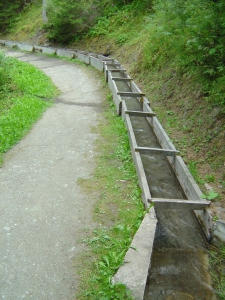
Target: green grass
217, 268
25, 94
118, 210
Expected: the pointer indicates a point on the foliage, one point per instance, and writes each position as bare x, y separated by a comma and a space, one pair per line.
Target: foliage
67, 20
191, 34
211, 195
9, 11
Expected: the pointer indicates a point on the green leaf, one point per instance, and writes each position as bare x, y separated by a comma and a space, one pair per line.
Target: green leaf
210, 196
212, 51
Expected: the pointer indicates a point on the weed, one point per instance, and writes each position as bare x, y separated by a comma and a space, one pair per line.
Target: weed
215, 218
211, 195
209, 178
121, 39
193, 170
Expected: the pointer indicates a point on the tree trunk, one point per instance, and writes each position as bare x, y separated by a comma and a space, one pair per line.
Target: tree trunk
44, 15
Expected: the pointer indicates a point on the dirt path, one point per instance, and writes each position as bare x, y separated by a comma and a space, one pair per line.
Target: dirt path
43, 210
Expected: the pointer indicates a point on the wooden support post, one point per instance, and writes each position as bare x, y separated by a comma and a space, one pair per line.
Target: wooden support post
140, 113
157, 151
37, 50
130, 94
179, 204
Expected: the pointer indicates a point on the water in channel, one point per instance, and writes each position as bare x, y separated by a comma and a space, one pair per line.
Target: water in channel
179, 264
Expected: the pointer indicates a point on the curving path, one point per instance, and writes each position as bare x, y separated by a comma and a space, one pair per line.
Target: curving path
43, 211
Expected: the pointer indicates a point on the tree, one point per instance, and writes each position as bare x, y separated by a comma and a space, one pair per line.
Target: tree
44, 13
68, 19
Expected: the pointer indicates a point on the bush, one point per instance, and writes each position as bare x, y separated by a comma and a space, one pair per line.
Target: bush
67, 21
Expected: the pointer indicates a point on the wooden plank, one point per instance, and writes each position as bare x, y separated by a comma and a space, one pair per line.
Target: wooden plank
106, 59
112, 64
121, 79
179, 204
117, 70
137, 160
139, 113
157, 151
130, 94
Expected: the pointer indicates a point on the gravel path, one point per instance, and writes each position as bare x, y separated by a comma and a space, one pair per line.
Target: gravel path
43, 210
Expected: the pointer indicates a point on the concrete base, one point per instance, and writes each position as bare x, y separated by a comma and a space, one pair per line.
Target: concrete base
218, 232
134, 272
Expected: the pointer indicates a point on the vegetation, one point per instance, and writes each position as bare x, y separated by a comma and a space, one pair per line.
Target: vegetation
28, 24
194, 30
9, 12
25, 93
72, 21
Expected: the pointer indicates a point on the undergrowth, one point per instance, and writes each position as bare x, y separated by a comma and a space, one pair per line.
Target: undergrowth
25, 93
119, 211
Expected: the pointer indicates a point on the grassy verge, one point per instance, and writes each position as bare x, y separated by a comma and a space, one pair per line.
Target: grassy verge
217, 265
25, 93
118, 211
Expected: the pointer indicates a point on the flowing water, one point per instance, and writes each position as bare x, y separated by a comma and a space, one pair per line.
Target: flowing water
179, 264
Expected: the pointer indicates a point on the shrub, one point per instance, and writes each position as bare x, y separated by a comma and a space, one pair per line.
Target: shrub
67, 21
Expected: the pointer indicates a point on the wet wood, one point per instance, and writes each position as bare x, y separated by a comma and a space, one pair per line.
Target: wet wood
117, 70
179, 204
157, 151
112, 64
121, 79
130, 94
139, 113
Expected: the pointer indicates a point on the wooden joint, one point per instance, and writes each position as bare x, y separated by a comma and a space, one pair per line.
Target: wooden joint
130, 94
179, 204
140, 113
121, 79
157, 151
117, 70
111, 64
